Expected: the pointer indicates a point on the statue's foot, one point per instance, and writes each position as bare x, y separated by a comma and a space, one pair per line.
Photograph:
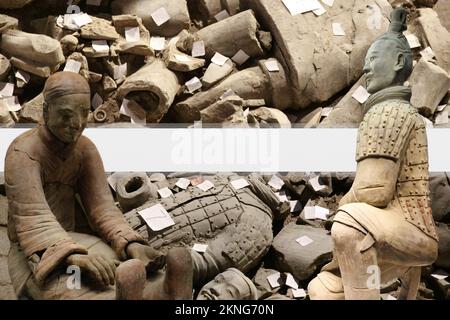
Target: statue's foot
130, 280
178, 281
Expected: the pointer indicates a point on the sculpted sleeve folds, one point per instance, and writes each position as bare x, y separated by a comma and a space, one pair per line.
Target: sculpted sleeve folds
44, 242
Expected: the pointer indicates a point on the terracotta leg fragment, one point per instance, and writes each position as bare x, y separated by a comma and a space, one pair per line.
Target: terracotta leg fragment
130, 280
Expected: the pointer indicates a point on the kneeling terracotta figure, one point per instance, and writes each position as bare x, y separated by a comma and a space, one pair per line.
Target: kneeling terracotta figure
45, 169
384, 228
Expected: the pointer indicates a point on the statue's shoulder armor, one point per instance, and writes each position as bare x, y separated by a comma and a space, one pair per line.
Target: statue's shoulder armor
385, 130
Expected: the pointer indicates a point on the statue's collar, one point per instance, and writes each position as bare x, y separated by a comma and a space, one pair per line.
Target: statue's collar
56, 146
397, 92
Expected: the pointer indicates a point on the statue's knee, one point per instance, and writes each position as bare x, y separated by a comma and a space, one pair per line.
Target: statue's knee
342, 234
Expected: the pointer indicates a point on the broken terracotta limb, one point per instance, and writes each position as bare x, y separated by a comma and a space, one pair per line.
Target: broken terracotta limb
229, 110
7, 22
108, 84
37, 48
215, 73
235, 33
320, 64
94, 77
40, 71
270, 117
280, 90
13, 4
5, 67
153, 87
32, 111
99, 29
5, 117
134, 190
178, 61
429, 84
251, 83
436, 36
84, 69
176, 9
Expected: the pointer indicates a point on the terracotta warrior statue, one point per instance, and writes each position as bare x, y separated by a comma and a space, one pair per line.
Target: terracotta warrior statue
46, 170
384, 229
236, 225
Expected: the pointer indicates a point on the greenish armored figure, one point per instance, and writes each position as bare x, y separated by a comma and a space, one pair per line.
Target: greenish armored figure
384, 228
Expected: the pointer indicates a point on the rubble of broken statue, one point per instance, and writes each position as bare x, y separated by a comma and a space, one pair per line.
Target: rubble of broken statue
255, 63
267, 235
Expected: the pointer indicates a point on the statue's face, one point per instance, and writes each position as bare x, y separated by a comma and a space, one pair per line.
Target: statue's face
225, 286
381, 66
66, 116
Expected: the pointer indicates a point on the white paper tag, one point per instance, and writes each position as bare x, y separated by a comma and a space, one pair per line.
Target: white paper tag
227, 94
361, 95
319, 12
12, 103
222, 15
328, 2
295, 206
239, 184
440, 276
427, 53
72, 66
182, 58
310, 213
22, 75
296, 7
157, 43
132, 34
165, 193
246, 112
272, 65
100, 46
240, 57
304, 241
198, 49
120, 71
205, 185
428, 122
194, 84
441, 117
299, 293
97, 101
201, 248
134, 111
338, 30
82, 19
276, 182
160, 16
282, 196
326, 111
290, 281
274, 280
94, 2
413, 41
321, 213
6, 89
219, 59
441, 107
183, 183
389, 297
157, 218
316, 184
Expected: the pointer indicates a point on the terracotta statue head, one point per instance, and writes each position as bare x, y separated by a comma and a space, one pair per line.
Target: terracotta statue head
389, 59
231, 284
66, 108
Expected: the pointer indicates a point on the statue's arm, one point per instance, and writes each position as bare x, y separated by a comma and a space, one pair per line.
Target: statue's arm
98, 202
43, 240
375, 182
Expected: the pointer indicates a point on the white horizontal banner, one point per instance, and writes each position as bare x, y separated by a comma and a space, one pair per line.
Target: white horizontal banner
239, 150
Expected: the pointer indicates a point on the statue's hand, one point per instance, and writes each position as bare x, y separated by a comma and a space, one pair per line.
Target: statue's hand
153, 259
98, 267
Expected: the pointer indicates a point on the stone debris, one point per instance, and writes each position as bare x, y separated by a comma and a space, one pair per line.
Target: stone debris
294, 63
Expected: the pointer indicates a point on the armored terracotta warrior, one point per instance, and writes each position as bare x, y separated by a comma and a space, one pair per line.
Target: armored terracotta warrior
45, 169
235, 224
384, 229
